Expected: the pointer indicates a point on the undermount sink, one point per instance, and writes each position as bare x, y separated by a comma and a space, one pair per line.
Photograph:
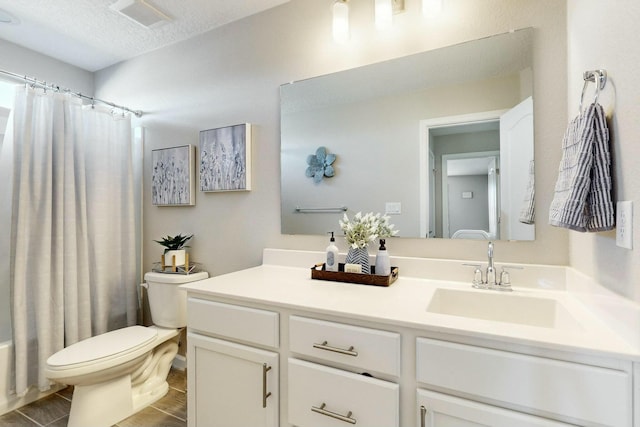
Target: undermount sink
500, 307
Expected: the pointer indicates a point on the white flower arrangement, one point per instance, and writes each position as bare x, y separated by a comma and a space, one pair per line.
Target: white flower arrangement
364, 229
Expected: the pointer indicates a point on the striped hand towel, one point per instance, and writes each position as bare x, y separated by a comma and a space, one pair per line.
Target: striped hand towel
582, 199
528, 212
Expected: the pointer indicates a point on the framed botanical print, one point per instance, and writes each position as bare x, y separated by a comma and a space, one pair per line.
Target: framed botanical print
225, 158
172, 179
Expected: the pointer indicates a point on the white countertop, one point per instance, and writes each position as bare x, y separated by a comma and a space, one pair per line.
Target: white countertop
404, 304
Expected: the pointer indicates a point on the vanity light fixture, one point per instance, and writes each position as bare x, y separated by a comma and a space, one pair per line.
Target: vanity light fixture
340, 21
384, 11
430, 7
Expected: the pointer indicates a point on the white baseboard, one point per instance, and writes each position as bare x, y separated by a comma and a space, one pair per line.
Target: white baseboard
179, 362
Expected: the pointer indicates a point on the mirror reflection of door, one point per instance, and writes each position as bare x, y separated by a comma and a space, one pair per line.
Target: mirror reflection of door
508, 133
470, 195
516, 155
493, 195
432, 195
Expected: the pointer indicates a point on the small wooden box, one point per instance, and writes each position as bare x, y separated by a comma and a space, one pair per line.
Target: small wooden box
318, 272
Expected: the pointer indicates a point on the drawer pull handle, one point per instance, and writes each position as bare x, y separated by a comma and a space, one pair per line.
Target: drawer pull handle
349, 352
265, 369
346, 418
423, 416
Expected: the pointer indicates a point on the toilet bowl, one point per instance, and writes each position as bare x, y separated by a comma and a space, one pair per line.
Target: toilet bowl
120, 372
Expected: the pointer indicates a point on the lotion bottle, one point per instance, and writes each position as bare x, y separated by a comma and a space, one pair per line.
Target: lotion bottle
332, 255
383, 265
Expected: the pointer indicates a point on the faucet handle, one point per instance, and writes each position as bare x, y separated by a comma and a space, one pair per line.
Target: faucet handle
505, 277
477, 276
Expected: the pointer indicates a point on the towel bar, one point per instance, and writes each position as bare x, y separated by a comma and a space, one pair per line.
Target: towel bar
321, 210
591, 76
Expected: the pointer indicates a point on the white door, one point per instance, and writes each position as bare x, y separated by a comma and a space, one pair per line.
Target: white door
492, 198
432, 196
516, 152
441, 410
230, 385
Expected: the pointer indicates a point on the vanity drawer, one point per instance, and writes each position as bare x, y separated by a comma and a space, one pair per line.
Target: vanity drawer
587, 393
233, 321
362, 348
323, 396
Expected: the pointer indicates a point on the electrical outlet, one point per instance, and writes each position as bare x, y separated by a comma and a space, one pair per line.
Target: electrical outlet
624, 224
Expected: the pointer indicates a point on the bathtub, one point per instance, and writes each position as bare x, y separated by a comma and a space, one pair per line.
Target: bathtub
9, 402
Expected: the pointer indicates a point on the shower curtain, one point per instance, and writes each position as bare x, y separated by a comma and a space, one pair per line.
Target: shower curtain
73, 260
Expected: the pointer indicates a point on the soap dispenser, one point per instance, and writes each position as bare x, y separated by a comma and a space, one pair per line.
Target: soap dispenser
332, 255
383, 265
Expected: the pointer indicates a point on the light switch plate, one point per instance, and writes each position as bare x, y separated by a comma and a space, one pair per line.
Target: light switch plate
393, 208
624, 224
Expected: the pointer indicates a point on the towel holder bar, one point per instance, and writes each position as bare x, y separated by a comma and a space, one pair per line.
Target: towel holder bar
321, 210
599, 77
591, 76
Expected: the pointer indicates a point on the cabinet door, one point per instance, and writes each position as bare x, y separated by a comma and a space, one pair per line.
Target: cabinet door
441, 410
230, 385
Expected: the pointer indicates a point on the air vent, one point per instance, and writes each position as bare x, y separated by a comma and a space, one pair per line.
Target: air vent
141, 12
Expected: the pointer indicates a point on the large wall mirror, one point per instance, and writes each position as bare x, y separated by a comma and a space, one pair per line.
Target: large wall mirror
442, 141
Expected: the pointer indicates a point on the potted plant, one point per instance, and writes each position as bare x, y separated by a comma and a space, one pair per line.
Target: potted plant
174, 249
362, 230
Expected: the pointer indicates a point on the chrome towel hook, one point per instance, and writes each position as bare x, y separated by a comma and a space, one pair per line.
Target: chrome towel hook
599, 77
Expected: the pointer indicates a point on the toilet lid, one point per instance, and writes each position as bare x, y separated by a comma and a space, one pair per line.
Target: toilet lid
102, 346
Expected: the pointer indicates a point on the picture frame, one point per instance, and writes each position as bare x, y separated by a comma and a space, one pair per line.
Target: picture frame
172, 176
225, 158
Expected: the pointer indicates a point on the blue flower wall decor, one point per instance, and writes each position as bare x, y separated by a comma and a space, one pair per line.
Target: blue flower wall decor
320, 165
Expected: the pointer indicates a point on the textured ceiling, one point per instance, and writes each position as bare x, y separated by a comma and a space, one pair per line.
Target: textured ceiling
88, 34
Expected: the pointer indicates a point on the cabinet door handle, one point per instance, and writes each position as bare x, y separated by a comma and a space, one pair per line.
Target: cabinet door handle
349, 352
346, 418
423, 416
265, 394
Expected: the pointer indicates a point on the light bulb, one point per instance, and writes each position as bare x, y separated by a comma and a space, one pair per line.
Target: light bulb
341, 21
384, 13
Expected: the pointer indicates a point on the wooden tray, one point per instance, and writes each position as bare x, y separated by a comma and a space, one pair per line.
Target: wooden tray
318, 272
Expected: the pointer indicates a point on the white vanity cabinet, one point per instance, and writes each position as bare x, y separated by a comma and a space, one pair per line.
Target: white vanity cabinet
322, 395
579, 393
231, 384
268, 346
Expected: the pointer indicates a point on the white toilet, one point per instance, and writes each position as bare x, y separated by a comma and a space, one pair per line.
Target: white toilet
118, 373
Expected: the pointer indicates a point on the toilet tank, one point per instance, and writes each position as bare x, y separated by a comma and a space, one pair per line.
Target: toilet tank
167, 302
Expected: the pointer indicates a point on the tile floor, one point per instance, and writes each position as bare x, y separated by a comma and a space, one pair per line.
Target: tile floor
53, 410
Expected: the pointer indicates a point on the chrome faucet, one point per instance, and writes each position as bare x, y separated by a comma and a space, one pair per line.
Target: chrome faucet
490, 278
491, 271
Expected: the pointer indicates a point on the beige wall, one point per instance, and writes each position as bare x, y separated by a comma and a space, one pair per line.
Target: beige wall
604, 35
232, 75
19, 60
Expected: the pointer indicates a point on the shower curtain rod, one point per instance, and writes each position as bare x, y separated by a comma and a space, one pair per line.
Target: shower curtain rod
44, 85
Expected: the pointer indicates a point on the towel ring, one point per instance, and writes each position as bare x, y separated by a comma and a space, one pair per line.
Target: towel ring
599, 77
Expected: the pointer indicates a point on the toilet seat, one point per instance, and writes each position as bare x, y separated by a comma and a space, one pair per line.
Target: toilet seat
104, 350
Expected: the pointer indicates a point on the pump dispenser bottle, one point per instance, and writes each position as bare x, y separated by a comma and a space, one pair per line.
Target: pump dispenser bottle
383, 265
332, 255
